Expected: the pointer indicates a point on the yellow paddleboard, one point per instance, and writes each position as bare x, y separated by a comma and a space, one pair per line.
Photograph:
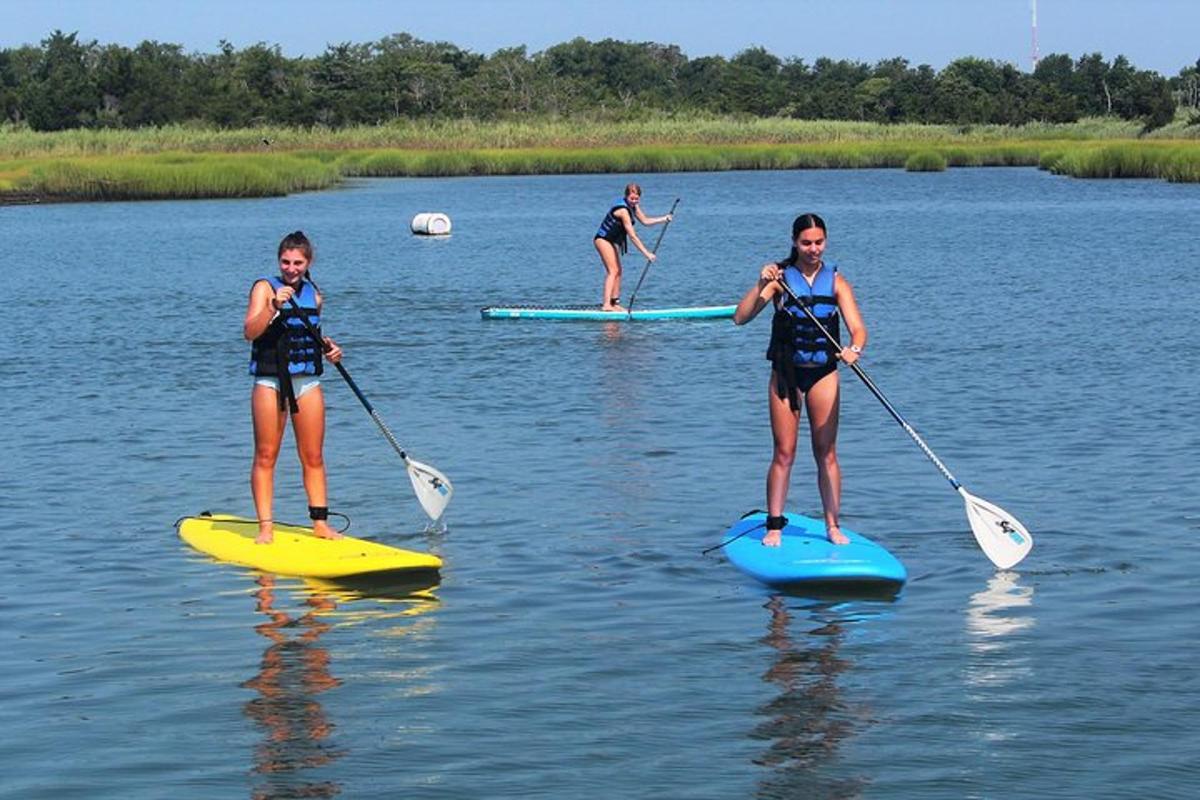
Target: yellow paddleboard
295, 550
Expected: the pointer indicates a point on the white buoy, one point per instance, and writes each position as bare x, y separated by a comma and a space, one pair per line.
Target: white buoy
431, 223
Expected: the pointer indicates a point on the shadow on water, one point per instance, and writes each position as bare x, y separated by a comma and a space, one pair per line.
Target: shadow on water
295, 670
806, 722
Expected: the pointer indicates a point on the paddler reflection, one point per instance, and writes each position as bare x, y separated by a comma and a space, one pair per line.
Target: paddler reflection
809, 718
294, 671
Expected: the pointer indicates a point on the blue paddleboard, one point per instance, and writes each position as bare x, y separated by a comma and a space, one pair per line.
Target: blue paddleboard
806, 557
594, 314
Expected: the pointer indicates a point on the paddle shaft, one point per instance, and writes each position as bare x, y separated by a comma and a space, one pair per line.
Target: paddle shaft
653, 251
362, 398
878, 394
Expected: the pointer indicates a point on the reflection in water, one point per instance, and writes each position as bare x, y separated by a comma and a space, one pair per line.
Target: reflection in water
992, 621
809, 718
295, 671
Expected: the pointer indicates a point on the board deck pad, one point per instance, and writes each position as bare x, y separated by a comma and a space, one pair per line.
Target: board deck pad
593, 313
806, 556
296, 551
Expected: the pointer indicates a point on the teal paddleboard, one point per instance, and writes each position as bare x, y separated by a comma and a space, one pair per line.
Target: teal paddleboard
594, 314
807, 557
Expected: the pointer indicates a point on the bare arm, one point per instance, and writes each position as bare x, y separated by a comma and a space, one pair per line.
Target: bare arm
260, 311
761, 293
645, 220
630, 233
333, 351
848, 306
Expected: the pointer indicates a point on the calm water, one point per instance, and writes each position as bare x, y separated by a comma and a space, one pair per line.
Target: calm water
1039, 331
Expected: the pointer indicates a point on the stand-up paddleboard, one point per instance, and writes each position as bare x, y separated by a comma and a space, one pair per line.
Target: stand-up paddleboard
296, 551
807, 557
593, 313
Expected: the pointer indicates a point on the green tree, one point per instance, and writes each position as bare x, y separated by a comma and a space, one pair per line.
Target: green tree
61, 93
753, 83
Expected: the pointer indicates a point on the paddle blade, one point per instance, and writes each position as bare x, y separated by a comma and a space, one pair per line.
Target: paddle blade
1003, 538
432, 487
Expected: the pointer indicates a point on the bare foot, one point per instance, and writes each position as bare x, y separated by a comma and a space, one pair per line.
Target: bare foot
835, 535
773, 538
618, 308
266, 533
321, 530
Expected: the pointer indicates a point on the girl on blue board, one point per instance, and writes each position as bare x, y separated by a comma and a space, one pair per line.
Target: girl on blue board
804, 366
613, 237
286, 362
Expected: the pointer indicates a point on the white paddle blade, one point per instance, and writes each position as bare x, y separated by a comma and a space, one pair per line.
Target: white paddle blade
432, 487
1003, 538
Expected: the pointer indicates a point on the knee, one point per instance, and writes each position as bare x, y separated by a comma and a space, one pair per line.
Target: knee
312, 458
825, 454
265, 457
784, 456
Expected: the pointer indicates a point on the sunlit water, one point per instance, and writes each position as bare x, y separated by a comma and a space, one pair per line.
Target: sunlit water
1038, 331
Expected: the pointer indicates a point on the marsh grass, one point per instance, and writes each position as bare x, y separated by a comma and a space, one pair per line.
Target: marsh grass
1178, 163
575, 133
185, 162
926, 161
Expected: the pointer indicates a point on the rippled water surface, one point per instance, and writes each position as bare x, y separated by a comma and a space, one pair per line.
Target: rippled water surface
1039, 331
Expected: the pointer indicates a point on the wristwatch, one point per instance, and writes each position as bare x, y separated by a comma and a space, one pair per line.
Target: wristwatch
855, 349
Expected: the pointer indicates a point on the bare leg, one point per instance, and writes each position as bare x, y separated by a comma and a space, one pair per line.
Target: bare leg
269, 423
822, 402
784, 425
612, 278
309, 424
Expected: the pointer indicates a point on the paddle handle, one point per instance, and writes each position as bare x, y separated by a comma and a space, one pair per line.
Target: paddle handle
362, 398
653, 250
861, 373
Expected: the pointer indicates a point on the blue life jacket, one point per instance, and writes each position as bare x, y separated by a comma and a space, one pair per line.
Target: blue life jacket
286, 346
612, 229
796, 342
811, 346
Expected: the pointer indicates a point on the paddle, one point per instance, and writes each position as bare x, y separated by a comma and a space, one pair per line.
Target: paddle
645, 269
1004, 540
433, 489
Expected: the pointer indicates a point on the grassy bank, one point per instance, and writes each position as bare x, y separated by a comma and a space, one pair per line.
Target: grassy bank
179, 162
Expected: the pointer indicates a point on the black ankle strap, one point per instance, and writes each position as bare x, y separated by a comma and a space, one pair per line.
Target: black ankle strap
318, 512
777, 523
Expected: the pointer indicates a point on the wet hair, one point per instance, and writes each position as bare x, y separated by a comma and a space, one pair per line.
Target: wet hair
799, 225
632, 187
296, 240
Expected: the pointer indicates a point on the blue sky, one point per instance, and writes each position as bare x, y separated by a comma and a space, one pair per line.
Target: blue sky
1162, 35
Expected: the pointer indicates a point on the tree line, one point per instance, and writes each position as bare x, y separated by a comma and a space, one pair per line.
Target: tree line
65, 83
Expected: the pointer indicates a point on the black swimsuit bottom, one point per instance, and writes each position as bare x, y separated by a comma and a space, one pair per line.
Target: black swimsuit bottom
807, 377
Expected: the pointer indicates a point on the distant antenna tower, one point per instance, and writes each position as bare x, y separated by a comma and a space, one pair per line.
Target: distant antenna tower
1034, 55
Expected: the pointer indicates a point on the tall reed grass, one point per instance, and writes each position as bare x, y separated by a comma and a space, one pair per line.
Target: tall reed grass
176, 175
182, 162
547, 132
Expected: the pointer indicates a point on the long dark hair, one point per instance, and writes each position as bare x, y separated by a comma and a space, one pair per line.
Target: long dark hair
800, 224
